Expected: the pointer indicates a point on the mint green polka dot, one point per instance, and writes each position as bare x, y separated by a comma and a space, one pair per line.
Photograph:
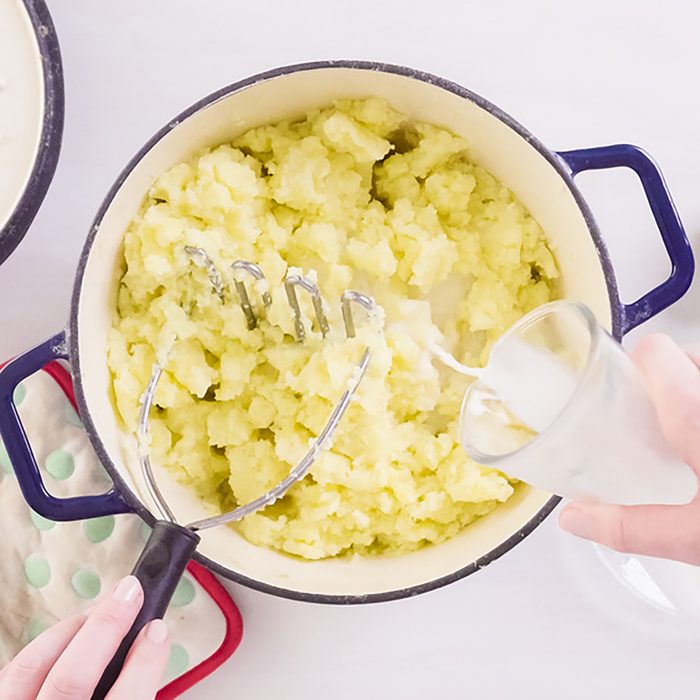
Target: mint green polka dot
99, 529
145, 531
37, 570
86, 583
178, 662
184, 593
72, 417
5, 459
40, 522
34, 628
19, 394
60, 464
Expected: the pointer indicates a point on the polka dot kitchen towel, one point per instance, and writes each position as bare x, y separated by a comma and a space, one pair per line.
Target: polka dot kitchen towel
51, 569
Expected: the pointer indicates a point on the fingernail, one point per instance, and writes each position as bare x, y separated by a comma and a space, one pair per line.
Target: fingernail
127, 590
157, 631
576, 521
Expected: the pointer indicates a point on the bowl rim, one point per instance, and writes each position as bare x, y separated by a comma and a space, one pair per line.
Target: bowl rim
74, 328
46, 159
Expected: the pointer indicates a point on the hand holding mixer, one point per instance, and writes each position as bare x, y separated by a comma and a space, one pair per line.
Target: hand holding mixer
171, 545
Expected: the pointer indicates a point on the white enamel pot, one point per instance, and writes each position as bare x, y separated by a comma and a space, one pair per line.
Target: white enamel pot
541, 179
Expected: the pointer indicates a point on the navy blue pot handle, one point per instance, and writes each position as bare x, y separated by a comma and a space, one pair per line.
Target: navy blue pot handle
159, 569
665, 215
20, 452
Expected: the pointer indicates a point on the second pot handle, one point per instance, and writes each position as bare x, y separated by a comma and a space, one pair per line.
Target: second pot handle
159, 568
20, 452
666, 217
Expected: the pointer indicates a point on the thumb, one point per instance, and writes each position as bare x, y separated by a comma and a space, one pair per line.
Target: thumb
671, 532
674, 384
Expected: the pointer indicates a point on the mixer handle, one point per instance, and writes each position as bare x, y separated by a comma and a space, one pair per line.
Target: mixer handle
20, 451
159, 568
666, 217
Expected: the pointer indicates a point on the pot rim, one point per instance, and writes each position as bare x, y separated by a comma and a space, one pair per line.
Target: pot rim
73, 328
49, 147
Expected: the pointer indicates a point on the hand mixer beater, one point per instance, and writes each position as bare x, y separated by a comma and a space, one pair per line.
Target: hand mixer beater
171, 545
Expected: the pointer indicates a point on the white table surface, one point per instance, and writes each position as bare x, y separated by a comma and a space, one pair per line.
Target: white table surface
544, 621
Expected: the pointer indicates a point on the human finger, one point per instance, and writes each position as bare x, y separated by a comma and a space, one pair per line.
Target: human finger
144, 666
671, 532
23, 677
674, 385
80, 667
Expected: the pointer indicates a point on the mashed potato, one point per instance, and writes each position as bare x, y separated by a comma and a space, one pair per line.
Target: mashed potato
369, 201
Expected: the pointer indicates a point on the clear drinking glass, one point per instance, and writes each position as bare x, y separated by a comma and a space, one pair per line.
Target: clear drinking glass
562, 407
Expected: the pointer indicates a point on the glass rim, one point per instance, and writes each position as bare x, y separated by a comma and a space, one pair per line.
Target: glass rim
595, 331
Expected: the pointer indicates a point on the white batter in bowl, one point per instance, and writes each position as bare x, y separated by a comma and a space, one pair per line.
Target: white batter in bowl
31, 114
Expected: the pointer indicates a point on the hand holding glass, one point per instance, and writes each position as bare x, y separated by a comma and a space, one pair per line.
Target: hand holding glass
561, 406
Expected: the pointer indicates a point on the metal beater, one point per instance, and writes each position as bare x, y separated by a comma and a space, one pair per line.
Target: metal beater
293, 281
